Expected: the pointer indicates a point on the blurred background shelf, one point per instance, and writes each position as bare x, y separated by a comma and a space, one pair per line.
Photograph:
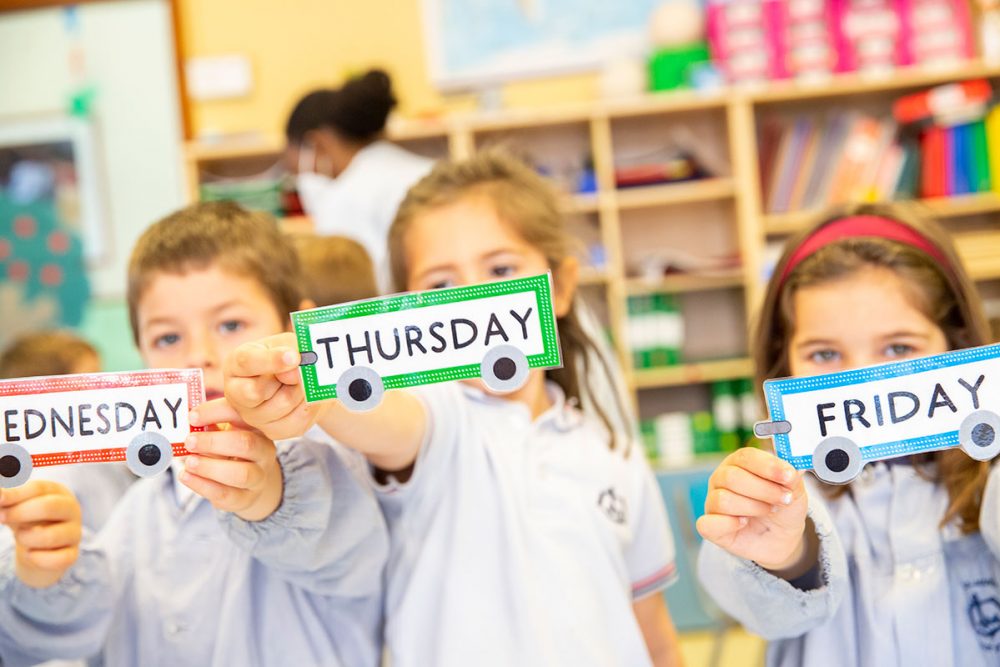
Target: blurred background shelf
693, 373
674, 284
675, 193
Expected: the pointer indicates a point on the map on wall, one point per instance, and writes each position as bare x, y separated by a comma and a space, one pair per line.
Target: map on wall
481, 43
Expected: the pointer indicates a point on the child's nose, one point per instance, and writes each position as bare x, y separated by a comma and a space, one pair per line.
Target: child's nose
202, 353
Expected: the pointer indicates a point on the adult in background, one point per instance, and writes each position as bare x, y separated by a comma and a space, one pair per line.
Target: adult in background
350, 179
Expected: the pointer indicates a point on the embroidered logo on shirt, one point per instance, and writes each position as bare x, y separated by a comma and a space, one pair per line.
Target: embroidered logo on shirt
984, 612
613, 505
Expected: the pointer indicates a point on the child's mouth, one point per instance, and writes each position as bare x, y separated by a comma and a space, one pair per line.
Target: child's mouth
212, 394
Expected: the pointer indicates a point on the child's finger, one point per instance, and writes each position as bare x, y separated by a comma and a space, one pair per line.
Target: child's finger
745, 483
52, 559
49, 535
218, 411
244, 445
42, 509
227, 472
264, 357
282, 404
723, 501
763, 464
716, 527
34, 488
251, 392
222, 497
295, 423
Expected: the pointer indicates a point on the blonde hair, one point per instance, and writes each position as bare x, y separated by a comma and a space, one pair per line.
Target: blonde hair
335, 269
524, 200
247, 243
44, 353
945, 295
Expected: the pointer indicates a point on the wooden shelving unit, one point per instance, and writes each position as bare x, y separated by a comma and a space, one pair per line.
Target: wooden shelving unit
710, 212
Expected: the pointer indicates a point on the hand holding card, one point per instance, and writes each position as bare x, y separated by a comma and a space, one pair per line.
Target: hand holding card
46, 521
756, 509
234, 467
263, 384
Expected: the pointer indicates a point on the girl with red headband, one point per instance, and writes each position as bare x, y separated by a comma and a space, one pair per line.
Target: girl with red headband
901, 567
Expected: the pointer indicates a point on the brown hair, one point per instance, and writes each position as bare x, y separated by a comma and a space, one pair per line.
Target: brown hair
247, 243
44, 353
524, 200
335, 269
357, 111
945, 294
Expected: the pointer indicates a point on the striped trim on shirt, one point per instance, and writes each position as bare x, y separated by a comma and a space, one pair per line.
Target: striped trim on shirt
654, 582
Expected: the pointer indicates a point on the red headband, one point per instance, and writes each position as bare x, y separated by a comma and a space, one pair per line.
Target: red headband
870, 226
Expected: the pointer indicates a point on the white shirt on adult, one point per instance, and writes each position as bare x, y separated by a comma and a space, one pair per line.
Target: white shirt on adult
361, 202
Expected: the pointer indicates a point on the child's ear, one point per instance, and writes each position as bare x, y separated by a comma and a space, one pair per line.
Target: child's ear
565, 279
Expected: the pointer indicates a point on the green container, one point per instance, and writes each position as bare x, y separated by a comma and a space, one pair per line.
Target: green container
650, 443
703, 433
668, 68
257, 195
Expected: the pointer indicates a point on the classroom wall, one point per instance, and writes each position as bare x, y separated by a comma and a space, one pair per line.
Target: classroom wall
129, 55
297, 45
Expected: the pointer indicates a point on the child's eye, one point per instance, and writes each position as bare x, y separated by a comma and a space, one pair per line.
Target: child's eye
166, 340
231, 326
502, 271
441, 284
824, 356
898, 350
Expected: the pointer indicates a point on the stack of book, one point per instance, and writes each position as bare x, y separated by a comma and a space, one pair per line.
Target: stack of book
815, 161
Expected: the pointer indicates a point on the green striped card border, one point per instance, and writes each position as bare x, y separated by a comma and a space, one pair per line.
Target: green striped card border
541, 285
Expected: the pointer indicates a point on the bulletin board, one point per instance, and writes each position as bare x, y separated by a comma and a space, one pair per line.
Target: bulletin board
473, 45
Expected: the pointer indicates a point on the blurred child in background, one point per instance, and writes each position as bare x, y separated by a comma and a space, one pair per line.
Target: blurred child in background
335, 269
97, 486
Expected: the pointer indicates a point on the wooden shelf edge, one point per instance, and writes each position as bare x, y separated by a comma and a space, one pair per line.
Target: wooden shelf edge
694, 373
666, 194
852, 84
954, 206
591, 276
684, 283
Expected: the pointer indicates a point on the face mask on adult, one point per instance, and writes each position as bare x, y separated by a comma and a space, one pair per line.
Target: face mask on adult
313, 184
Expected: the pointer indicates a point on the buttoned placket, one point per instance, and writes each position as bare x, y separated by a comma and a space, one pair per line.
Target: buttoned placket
919, 570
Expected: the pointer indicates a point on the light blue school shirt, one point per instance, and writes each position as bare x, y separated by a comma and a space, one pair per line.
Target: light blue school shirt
294, 589
892, 587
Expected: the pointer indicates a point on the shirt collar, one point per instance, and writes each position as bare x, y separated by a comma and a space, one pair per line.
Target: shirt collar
562, 415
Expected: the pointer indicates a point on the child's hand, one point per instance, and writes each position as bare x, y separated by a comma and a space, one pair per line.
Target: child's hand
236, 468
263, 385
45, 519
756, 509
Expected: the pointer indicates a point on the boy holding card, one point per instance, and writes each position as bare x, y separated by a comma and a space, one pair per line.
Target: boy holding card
201, 282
